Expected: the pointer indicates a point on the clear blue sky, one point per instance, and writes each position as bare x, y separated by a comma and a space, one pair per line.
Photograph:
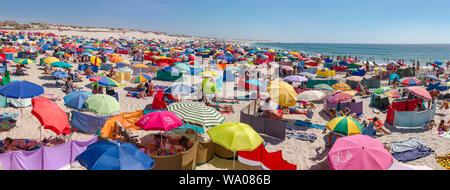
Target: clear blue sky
334, 21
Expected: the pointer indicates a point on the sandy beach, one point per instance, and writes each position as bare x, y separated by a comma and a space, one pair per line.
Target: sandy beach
306, 155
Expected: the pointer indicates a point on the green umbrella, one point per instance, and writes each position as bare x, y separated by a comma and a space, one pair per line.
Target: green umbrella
352, 69
182, 66
381, 90
60, 53
196, 114
61, 64
102, 104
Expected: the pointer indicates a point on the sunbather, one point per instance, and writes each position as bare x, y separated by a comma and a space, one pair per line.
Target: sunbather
443, 127
430, 125
141, 94
378, 125
88, 72
219, 106
19, 144
332, 113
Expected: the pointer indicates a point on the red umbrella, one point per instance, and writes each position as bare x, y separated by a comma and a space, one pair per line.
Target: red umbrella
9, 50
50, 115
401, 64
420, 92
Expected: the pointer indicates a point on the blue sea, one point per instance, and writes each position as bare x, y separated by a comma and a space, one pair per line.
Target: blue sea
380, 53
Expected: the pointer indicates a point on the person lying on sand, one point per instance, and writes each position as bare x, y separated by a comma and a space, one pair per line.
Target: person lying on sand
222, 100
139, 95
378, 125
88, 72
219, 106
19, 144
430, 125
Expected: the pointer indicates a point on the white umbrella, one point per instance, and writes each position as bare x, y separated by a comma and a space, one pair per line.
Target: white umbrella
310, 95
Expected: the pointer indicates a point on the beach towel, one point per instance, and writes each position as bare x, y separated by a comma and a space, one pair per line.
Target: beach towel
410, 144
445, 135
301, 135
444, 162
413, 154
307, 124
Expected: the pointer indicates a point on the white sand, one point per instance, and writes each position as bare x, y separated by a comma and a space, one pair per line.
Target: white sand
304, 154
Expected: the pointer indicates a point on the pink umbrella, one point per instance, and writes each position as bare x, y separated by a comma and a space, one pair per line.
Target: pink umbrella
359, 152
420, 92
159, 121
340, 96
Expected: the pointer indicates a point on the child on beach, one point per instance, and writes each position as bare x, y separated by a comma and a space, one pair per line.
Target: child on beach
379, 126
442, 127
430, 125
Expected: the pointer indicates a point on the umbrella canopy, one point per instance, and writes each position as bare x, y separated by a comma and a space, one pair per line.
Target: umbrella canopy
432, 77
341, 86
393, 93
25, 61
255, 82
410, 81
159, 121
77, 99
140, 66
114, 155
95, 61
182, 66
181, 89
141, 78
61, 64
295, 78
50, 115
345, 126
8, 50
21, 89
125, 69
282, 93
379, 69
60, 74
102, 104
104, 81
49, 60
394, 77
359, 152
115, 58
196, 113
355, 78
235, 136
324, 87
310, 95
381, 90
420, 92
340, 97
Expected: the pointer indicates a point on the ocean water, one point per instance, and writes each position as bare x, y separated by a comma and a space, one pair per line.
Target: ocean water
380, 53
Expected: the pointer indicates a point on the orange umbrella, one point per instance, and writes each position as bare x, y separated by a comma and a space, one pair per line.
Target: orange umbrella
115, 58
9, 50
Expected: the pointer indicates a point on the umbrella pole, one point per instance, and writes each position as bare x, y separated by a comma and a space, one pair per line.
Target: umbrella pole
234, 158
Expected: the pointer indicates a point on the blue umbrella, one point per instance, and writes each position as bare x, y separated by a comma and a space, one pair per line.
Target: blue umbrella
437, 63
180, 89
60, 74
21, 89
77, 99
254, 82
114, 155
393, 77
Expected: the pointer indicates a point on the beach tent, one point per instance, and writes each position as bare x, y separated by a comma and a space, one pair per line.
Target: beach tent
325, 72
45, 158
169, 74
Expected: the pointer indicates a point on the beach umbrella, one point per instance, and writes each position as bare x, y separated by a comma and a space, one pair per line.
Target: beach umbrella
61, 64
50, 115
180, 89
159, 121
359, 152
102, 104
49, 60
295, 78
393, 77
352, 69
393, 93
197, 114
115, 58
420, 92
402, 166
341, 86
310, 95
8, 50
95, 61
77, 99
282, 93
323, 87
410, 81
355, 78
182, 66
437, 63
432, 77
140, 66
287, 68
208, 73
350, 92
235, 136
60, 74
114, 155
340, 97
344, 126
255, 82
25, 61
21, 89
104, 81
141, 78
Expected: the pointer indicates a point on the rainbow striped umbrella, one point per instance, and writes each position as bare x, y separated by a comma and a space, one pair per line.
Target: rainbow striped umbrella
341, 86
323, 87
410, 81
141, 78
105, 81
345, 126
393, 93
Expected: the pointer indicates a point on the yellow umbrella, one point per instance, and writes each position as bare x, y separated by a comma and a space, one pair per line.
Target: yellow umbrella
140, 66
379, 69
49, 60
282, 93
95, 61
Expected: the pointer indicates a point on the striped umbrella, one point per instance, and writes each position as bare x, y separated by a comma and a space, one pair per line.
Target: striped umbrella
141, 78
410, 81
323, 87
341, 86
345, 126
196, 114
379, 69
105, 81
50, 60
25, 61
125, 69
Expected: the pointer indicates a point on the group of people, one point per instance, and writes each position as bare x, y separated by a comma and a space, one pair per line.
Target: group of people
143, 90
165, 144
